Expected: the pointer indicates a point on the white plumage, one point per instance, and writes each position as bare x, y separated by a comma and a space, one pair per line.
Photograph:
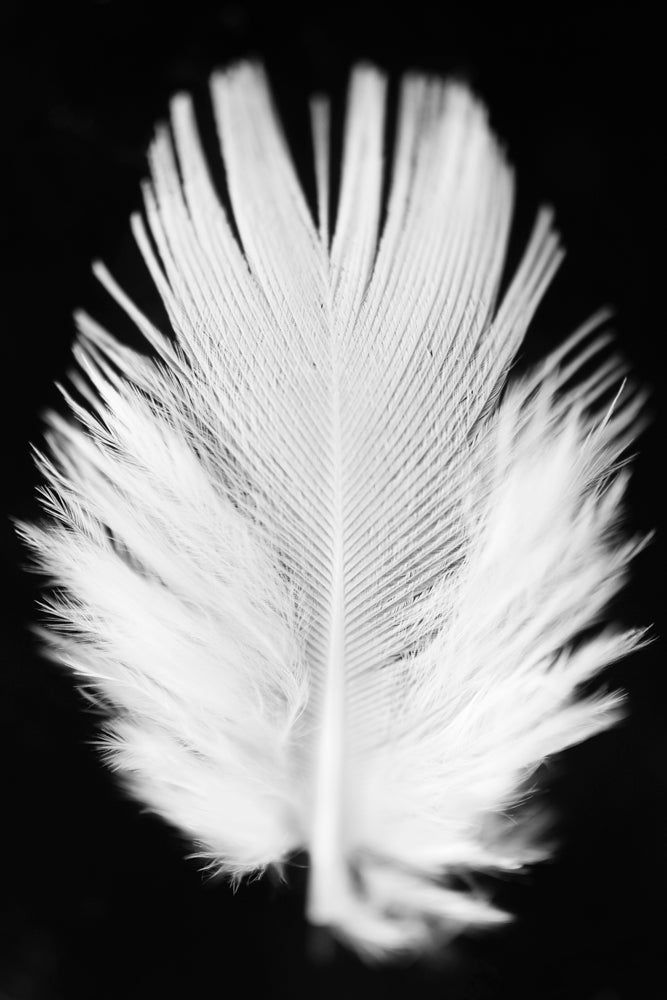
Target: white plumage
328, 576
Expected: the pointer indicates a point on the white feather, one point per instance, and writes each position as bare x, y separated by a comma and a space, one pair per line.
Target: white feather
329, 582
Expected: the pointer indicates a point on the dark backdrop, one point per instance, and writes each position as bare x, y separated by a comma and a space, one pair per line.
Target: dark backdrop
96, 898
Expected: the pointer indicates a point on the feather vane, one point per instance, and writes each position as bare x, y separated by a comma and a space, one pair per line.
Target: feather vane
328, 576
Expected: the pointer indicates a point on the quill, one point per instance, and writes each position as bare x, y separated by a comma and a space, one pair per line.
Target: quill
335, 583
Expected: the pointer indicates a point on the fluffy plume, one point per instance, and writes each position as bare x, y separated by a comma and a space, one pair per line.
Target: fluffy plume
333, 581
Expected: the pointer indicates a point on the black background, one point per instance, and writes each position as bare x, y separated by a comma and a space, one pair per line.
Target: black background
96, 899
